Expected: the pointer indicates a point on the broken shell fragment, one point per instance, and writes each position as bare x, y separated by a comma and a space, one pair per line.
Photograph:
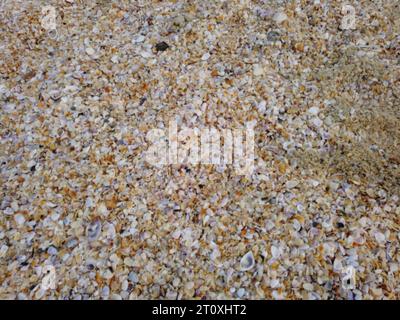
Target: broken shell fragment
93, 231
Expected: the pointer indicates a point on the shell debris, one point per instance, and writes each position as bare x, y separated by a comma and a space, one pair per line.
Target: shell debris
82, 94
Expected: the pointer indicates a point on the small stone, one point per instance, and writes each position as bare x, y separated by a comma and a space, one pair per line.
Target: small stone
162, 46
340, 225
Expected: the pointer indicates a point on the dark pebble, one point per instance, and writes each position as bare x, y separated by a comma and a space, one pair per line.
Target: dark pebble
162, 46
340, 225
273, 36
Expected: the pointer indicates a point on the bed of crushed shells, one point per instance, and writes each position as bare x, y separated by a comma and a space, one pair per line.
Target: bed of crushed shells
77, 194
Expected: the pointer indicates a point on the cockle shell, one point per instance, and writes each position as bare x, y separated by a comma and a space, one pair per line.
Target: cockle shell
247, 262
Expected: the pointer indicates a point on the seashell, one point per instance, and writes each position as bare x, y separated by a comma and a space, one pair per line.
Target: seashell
55, 95
279, 17
296, 225
380, 237
114, 59
52, 251
308, 286
71, 243
9, 107
146, 54
138, 39
275, 252
133, 277
103, 209
90, 51
258, 70
247, 262
262, 106
3, 250
273, 36
205, 56
93, 230
291, 184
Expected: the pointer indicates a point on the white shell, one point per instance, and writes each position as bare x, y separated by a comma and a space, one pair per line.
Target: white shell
247, 262
279, 17
275, 252
313, 110
90, 51
380, 237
